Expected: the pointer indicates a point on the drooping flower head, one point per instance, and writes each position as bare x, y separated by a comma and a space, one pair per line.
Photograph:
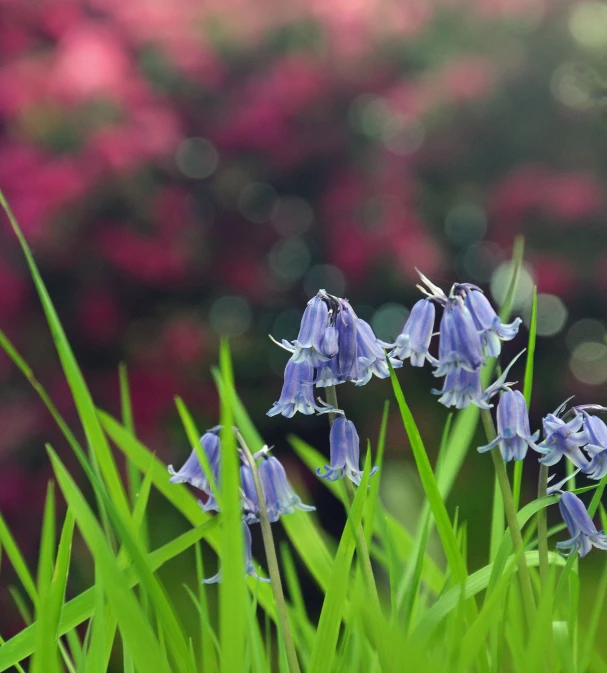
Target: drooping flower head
347, 330
462, 388
192, 472
584, 534
280, 498
563, 438
459, 341
513, 433
491, 329
414, 340
249, 568
372, 355
596, 431
297, 392
344, 453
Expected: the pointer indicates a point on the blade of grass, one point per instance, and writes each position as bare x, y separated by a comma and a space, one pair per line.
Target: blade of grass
333, 605
126, 408
96, 439
209, 643
403, 541
45, 655
437, 505
232, 593
135, 629
527, 390
475, 583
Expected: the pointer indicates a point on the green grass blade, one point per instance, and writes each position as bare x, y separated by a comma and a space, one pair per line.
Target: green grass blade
45, 655
371, 505
443, 522
126, 409
135, 629
497, 519
402, 540
209, 642
409, 589
591, 629
527, 391
475, 583
17, 561
232, 593
333, 605
84, 404
95, 654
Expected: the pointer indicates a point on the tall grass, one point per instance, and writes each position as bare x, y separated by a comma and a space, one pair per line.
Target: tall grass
434, 615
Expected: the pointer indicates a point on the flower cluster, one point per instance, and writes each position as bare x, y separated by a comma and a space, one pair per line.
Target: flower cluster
579, 436
278, 494
333, 346
470, 331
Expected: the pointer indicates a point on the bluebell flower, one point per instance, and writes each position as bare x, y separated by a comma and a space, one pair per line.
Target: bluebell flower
248, 560
280, 498
317, 338
462, 388
584, 534
491, 329
327, 375
596, 447
414, 340
249, 499
372, 354
596, 432
192, 472
597, 467
344, 453
564, 439
459, 341
297, 392
347, 330
513, 433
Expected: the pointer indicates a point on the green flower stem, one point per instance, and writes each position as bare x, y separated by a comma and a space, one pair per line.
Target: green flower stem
361, 540
272, 560
510, 511
542, 525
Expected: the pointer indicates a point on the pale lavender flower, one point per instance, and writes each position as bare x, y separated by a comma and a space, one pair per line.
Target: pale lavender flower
347, 330
462, 388
344, 453
192, 472
513, 433
596, 431
249, 499
297, 392
596, 447
491, 329
280, 498
317, 338
584, 534
327, 375
372, 354
564, 439
248, 560
414, 340
459, 341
